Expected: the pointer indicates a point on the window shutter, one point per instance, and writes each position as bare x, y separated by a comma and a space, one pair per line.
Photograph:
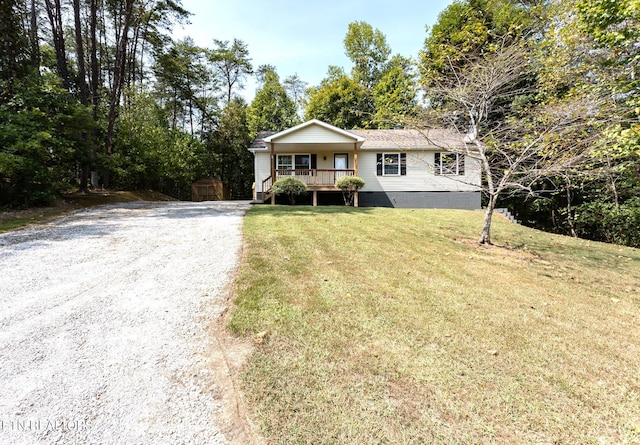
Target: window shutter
379, 164
403, 164
461, 163
436, 164
314, 161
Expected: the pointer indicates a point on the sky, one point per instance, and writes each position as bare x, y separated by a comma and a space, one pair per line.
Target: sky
305, 37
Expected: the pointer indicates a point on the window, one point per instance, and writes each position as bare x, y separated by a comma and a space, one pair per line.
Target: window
285, 162
303, 162
448, 164
297, 162
391, 164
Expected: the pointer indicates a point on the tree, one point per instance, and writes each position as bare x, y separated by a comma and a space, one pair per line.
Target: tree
183, 80
54, 12
296, 89
271, 109
368, 50
394, 96
520, 146
232, 64
341, 101
379, 93
587, 51
14, 49
467, 30
230, 161
41, 142
150, 155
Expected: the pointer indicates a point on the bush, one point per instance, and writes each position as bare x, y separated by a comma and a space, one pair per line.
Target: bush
291, 187
606, 222
349, 186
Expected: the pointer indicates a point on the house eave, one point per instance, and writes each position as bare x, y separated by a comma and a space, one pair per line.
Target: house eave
356, 138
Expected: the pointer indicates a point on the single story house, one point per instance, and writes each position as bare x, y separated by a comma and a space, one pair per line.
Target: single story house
401, 168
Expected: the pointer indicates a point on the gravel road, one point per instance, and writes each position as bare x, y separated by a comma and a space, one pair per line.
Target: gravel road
103, 324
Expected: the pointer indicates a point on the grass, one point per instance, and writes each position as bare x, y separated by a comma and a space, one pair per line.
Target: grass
13, 219
393, 326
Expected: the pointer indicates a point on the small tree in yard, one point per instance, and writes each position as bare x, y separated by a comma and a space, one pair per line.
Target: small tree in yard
349, 186
291, 187
516, 149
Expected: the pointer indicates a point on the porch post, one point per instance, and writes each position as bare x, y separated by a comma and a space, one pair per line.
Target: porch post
355, 160
355, 171
273, 171
273, 163
315, 198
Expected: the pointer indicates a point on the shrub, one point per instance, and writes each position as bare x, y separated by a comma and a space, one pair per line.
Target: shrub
606, 222
291, 187
349, 186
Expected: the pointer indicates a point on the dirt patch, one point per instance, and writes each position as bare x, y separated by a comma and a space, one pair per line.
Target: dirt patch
226, 358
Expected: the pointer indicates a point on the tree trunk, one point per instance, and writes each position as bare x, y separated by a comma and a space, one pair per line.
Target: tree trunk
83, 90
33, 35
54, 12
118, 79
570, 221
485, 238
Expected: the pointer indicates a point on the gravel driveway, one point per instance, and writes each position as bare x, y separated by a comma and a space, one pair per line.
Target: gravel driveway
103, 318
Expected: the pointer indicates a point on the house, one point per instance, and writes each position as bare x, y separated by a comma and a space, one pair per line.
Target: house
401, 168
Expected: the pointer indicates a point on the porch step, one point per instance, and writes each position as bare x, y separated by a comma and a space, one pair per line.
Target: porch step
507, 214
266, 196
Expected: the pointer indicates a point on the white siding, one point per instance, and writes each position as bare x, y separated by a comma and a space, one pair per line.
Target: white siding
314, 134
419, 177
262, 168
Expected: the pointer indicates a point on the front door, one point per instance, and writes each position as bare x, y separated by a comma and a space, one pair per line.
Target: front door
341, 161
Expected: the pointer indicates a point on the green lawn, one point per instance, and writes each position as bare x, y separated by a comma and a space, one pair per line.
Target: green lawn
393, 326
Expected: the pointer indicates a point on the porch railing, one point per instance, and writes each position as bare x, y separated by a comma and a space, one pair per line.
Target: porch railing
266, 184
313, 177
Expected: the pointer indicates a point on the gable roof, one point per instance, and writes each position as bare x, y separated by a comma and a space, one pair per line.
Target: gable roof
311, 131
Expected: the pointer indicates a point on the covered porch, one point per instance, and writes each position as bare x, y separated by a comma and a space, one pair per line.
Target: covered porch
317, 180
314, 152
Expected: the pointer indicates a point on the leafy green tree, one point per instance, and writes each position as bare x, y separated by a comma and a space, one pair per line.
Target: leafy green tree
150, 155
395, 96
297, 90
183, 80
379, 93
368, 50
467, 30
341, 101
587, 51
15, 55
232, 64
41, 142
229, 159
271, 109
